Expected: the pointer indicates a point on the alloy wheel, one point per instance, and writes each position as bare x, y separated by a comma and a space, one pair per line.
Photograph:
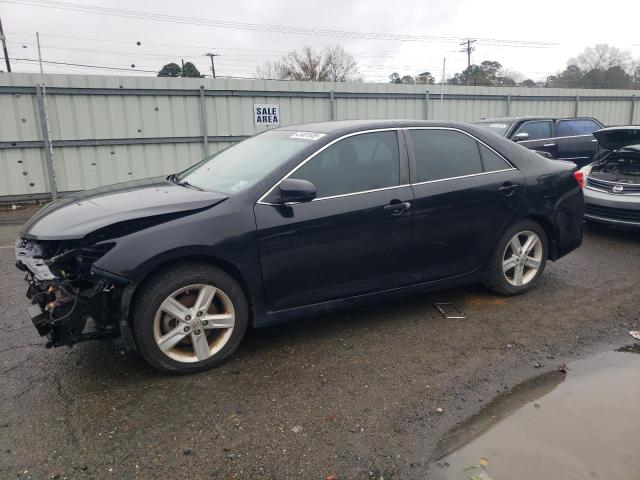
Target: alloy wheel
194, 323
522, 258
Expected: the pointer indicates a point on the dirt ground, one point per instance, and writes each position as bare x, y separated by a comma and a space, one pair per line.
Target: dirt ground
354, 393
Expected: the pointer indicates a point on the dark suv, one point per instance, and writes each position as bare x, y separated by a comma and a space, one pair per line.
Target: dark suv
559, 138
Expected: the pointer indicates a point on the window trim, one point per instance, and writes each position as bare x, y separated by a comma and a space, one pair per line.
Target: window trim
551, 129
320, 150
413, 165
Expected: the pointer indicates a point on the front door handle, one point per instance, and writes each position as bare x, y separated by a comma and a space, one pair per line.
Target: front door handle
395, 209
549, 145
508, 188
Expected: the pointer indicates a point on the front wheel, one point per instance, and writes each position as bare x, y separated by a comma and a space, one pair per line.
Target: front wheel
189, 318
518, 259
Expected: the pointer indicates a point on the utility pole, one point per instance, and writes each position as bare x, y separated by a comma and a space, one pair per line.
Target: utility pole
4, 47
444, 65
213, 67
46, 129
468, 47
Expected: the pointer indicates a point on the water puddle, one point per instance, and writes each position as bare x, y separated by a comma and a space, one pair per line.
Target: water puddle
584, 424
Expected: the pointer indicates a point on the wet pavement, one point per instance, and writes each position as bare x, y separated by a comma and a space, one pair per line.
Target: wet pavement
355, 393
583, 422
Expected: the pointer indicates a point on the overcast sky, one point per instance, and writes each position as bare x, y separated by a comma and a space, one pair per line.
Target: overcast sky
111, 41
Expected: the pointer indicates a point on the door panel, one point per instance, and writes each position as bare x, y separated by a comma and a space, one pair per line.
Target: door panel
548, 145
334, 247
457, 221
579, 149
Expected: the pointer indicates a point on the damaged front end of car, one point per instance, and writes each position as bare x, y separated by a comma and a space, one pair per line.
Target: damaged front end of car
70, 303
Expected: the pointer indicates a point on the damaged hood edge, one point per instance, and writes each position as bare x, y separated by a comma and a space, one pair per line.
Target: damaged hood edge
80, 214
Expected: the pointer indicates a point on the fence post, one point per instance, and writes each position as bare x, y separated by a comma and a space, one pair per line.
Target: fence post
508, 105
203, 123
332, 100
633, 109
47, 143
426, 105
575, 114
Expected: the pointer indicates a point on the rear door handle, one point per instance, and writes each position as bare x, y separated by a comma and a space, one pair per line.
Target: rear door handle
549, 145
395, 209
508, 188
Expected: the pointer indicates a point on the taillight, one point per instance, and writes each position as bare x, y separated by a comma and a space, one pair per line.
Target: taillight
579, 178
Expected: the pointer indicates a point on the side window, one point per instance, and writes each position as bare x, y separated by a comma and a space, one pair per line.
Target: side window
444, 154
491, 161
569, 128
536, 130
355, 164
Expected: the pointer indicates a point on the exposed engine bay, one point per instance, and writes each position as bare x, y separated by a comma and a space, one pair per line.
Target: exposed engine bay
69, 302
621, 166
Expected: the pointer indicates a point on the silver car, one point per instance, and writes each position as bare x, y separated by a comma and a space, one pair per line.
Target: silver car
612, 183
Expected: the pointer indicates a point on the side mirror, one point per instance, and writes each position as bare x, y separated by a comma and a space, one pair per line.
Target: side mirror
295, 191
520, 137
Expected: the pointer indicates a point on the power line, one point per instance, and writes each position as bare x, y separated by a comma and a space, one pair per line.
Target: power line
80, 65
144, 15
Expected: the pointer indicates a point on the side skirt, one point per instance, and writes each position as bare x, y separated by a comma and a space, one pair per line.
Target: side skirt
265, 318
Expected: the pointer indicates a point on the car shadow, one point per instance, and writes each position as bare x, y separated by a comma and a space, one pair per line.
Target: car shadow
98, 360
612, 232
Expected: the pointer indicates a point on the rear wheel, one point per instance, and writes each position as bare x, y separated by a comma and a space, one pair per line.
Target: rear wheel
518, 259
189, 318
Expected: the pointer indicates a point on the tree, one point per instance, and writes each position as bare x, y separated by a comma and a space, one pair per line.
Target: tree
483, 74
332, 64
601, 57
528, 83
408, 79
425, 78
340, 66
395, 78
170, 70
190, 70
174, 70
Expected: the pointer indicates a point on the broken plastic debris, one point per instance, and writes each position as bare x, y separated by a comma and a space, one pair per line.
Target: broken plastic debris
449, 310
477, 472
635, 334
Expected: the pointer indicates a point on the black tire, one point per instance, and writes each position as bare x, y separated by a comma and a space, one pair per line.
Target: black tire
496, 279
164, 284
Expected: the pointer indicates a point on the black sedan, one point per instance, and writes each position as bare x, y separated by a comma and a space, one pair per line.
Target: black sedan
560, 138
292, 222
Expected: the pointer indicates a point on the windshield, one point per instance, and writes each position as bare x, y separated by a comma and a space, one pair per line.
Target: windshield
499, 128
243, 164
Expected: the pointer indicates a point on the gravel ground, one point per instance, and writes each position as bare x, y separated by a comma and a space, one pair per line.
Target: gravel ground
353, 394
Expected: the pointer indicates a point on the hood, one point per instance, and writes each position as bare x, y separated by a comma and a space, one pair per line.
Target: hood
615, 138
79, 214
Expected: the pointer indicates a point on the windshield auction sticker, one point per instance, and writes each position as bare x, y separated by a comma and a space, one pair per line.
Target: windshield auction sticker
307, 135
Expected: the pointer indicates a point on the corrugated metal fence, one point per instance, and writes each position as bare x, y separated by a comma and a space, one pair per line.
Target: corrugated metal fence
111, 129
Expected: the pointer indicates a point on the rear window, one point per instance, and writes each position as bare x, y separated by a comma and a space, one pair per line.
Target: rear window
569, 128
442, 154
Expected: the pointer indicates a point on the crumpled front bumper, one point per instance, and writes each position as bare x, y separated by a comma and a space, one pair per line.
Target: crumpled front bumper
64, 308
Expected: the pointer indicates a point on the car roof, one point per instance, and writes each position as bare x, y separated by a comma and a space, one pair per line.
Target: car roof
514, 119
530, 117
348, 126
